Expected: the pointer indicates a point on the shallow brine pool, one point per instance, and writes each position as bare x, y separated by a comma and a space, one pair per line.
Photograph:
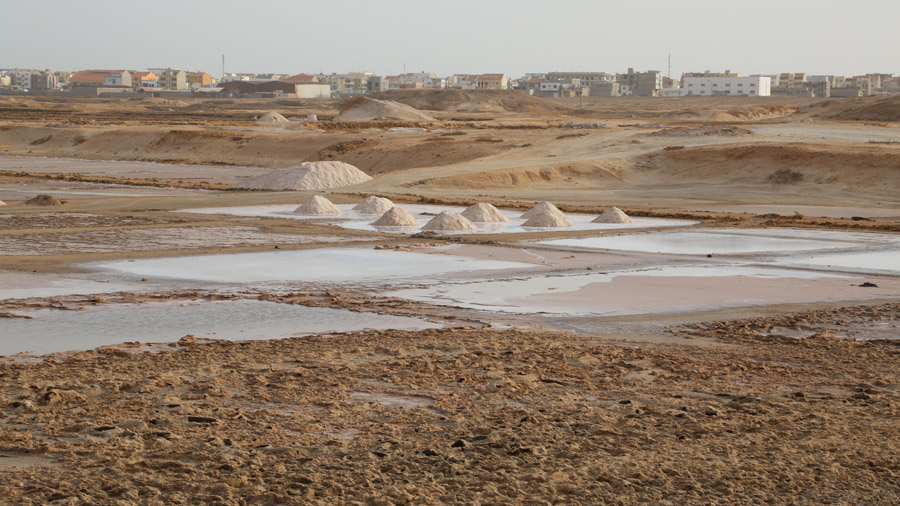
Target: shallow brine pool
423, 212
52, 331
653, 290
729, 241
882, 261
335, 265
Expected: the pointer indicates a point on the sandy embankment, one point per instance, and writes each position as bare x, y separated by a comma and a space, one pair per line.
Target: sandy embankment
460, 417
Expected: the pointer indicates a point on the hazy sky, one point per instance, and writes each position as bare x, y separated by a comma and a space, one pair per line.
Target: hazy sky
455, 36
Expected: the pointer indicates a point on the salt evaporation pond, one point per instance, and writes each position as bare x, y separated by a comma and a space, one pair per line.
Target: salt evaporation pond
21, 285
333, 265
883, 261
350, 219
640, 291
727, 242
53, 331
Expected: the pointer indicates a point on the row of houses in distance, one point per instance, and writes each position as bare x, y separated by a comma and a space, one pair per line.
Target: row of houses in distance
786, 84
650, 83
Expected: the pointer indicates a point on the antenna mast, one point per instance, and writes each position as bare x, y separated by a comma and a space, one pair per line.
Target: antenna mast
670, 66
223, 65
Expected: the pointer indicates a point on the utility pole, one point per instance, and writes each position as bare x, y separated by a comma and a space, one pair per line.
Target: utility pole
223, 66
670, 67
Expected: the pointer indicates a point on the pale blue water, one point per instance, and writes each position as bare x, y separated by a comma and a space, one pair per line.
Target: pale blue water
52, 331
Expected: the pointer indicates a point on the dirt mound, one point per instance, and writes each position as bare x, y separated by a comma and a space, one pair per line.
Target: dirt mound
45, 200
317, 205
541, 208
308, 176
370, 109
726, 131
590, 173
450, 222
875, 108
613, 215
272, 117
484, 213
396, 217
854, 171
725, 113
546, 218
472, 101
374, 205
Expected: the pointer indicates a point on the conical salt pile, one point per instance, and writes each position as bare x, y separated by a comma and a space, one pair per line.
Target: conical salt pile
548, 219
272, 117
450, 222
540, 209
396, 217
613, 215
317, 205
308, 176
374, 205
484, 213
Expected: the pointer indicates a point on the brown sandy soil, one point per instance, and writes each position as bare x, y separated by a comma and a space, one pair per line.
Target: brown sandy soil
718, 408
462, 417
374, 152
165, 239
513, 148
878, 108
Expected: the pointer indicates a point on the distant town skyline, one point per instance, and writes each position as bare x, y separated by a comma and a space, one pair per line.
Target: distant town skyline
464, 36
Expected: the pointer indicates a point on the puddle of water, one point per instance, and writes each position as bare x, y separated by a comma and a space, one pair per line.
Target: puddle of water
336, 265
52, 331
18, 285
885, 261
424, 212
726, 242
656, 290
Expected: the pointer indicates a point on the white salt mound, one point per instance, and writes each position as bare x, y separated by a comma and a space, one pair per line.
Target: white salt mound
613, 215
374, 205
450, 222
548, 219
541, 208
396, 217
272, 117
317, 205
308, 176
484, 213
2, 203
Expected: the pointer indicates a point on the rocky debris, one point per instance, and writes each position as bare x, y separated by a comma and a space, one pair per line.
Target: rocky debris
484, 213
317, 205
308, 176
449, 222
613, 215
396, 217
374, 205
45, 200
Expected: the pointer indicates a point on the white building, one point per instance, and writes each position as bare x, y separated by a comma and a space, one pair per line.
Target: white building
751, 86
232, 76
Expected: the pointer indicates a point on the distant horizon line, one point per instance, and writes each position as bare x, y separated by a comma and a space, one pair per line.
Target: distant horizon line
451, 74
